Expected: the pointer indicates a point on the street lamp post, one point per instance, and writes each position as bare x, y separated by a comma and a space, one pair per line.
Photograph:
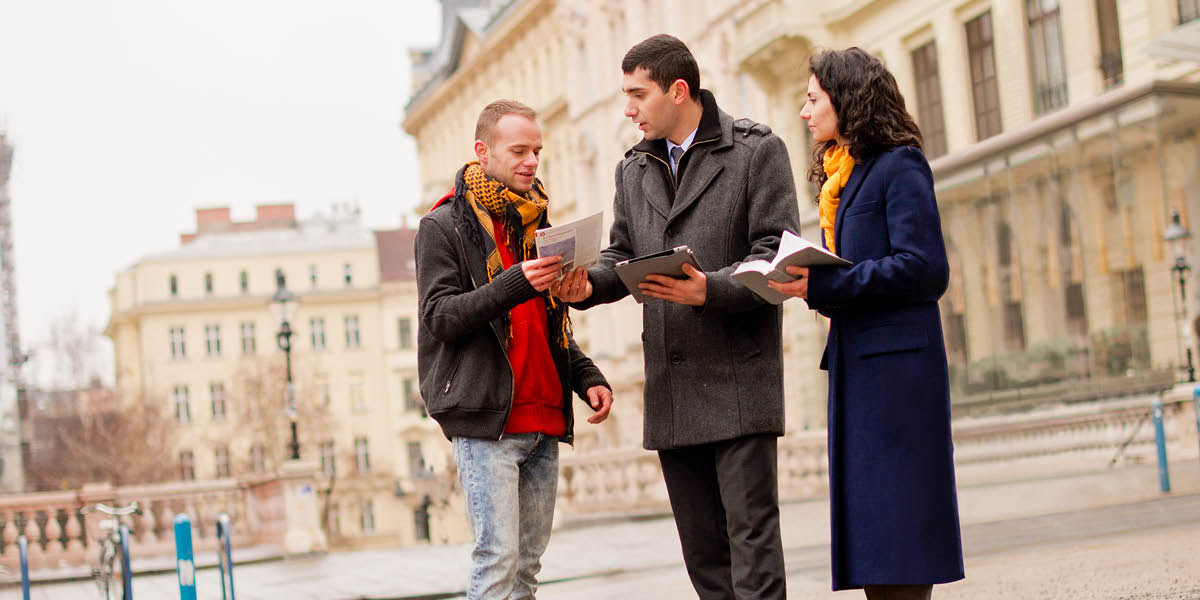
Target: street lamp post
283, 304
1179, 237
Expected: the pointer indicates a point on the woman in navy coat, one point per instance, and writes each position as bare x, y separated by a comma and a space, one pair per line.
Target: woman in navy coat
894, 510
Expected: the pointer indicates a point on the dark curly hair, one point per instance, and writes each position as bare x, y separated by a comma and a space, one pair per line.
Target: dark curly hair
869, 107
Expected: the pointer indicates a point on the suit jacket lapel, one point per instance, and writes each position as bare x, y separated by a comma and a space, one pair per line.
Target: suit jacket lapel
848, 195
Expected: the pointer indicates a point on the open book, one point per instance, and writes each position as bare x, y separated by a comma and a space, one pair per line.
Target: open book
794, 251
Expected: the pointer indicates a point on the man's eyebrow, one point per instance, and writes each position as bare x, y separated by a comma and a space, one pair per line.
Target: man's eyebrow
633, 88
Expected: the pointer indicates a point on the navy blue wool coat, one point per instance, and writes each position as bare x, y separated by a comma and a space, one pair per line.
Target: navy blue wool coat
894, 508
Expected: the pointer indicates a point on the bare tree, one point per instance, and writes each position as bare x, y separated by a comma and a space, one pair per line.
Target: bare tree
120, 442
72, 352
261, 409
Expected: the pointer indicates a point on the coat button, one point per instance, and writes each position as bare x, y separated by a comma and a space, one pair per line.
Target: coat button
676, 358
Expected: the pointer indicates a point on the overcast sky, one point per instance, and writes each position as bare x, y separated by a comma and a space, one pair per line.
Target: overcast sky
127, 115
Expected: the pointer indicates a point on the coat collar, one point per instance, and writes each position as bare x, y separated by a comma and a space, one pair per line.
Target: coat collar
715, 132
711, 127
849, 193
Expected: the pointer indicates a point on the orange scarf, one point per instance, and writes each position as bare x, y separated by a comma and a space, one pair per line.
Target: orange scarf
838, 164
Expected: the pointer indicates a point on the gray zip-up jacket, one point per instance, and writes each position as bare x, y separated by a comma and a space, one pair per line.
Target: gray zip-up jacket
465, 376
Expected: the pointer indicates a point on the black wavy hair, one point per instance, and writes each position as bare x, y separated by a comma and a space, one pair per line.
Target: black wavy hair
869, 107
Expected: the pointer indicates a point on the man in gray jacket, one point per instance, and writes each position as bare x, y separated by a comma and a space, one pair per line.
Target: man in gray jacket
713, 352
495, 354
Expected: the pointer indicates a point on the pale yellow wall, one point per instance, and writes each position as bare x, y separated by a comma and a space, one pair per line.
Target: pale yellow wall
144, 313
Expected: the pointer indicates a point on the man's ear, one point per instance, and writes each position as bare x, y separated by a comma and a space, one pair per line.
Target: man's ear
481, 152
679, 91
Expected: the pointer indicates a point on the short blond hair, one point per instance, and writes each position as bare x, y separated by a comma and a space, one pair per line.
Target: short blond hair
485, 127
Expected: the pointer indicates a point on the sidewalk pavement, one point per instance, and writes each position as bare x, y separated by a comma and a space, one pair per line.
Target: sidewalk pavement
1103, 534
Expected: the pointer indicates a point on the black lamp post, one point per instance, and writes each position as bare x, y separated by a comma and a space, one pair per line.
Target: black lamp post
1179, 238
283, 304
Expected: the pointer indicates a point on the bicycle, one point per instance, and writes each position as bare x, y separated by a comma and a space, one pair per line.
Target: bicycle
114, 541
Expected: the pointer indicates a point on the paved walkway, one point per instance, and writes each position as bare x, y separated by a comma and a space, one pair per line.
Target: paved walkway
1108, 534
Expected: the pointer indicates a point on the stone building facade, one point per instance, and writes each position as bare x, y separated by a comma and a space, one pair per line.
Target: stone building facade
1060, 154
193, 335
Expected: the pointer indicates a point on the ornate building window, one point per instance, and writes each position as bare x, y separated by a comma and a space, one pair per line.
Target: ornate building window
178, 346
1112, 66
221, 460
353, 340
1046, 55
404, 331
212, 340
216, 393
316, 327
328, 459
367, 520
416, 461
1130, 297
187, 465
249, 341
1013, 316
183, 405
1189, 10
412, 397
258, 458
984, 88
1071, 267
929, 99
362, 455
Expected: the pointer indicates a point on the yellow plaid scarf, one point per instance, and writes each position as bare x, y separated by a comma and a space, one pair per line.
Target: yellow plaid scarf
521, 215
838, 164
490, 198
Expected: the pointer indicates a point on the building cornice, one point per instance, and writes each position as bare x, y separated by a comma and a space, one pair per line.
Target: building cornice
1037, 128
209, 305
433, 95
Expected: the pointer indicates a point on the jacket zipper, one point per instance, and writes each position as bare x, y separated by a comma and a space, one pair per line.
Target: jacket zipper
512, 392
674, 183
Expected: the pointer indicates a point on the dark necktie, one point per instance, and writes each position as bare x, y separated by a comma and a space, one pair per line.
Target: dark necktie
676, 152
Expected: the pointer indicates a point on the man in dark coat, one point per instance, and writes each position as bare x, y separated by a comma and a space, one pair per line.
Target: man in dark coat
495, 354
713, 352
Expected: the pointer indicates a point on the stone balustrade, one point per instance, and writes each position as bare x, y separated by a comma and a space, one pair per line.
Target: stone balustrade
1060, 440
595, 484
61, 536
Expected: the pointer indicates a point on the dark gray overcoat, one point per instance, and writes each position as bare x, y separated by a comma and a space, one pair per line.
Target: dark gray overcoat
714, 372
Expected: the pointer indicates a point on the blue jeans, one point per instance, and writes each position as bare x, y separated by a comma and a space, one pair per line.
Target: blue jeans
510, 487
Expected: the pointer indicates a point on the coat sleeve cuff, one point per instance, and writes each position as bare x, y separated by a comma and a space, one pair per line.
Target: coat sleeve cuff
514, 284
590, 380
724, 295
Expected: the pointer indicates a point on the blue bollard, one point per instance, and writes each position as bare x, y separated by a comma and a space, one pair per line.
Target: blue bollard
1196, 408
1160, 441
126, 568
185, 564
23, 550
225, 556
